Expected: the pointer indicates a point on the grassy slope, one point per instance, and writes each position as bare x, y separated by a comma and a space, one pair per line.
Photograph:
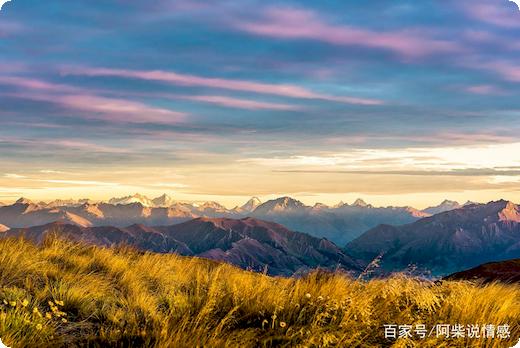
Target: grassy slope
119, 297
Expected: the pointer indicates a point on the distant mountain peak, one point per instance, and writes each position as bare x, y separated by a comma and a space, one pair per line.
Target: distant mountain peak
282, 204
251, 204
320, 206
285, 199
339, 205
509, 213
288, 202
361, 203
416, 213
212, 205
23, 200
163, 201
445, 205
136, 198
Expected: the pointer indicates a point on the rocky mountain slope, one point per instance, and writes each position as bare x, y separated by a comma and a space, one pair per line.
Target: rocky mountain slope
446, 242
248, 243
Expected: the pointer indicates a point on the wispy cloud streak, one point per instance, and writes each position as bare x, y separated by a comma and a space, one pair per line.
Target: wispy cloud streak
93, 106
239, 103
284, 90
289, 23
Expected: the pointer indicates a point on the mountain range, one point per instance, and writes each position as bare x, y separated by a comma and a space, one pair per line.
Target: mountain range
248, 243
340, 223
446, 242
258, 234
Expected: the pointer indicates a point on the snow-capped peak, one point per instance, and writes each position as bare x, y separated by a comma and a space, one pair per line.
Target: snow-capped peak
360, 203
251, 204
163, 201
23, 200
137, 198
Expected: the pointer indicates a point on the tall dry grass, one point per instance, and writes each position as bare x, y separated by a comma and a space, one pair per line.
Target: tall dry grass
65, 295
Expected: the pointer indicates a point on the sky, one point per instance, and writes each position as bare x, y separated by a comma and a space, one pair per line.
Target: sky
398, 102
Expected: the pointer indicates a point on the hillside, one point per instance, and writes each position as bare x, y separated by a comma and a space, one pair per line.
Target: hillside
68, 295
504, 271
247, 243
447, 242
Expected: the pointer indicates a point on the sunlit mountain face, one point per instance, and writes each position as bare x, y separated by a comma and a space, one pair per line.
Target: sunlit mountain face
403, 103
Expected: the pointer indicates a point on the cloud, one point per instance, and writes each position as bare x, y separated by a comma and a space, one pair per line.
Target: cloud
239, 103
120, 110
67, 145
13, 176
496, 174
78, 182
96, 107
52, 171
497, 13
290, 23
35, 84
484, 90
506, 70
476, 160
283, 90
170, 185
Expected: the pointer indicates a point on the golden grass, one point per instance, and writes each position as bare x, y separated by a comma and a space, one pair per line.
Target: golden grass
65, 295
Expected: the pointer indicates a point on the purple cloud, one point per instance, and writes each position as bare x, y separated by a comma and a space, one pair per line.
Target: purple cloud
498, 13
290, 23
239, 103
284, 90
96, 107
507, 70
484, 90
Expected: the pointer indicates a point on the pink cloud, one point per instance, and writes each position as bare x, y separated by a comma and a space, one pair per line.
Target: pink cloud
119, 109
34, 84
97, 107
288, 23
508, 71
284, 90
67, 144
484, 90
81, 145
499, 13
239, 103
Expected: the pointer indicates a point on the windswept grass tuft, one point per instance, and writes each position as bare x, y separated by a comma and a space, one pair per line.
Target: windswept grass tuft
64, 295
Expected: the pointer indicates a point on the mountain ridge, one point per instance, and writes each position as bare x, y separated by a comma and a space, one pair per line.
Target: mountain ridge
504, 271
339, 224
446, 242
248, 243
